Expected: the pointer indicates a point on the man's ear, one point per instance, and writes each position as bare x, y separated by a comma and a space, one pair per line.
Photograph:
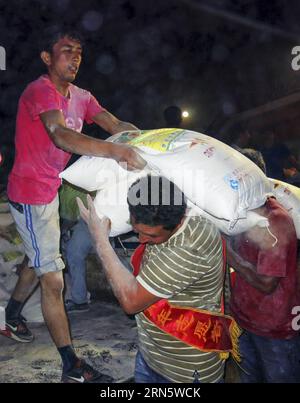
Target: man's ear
45, 56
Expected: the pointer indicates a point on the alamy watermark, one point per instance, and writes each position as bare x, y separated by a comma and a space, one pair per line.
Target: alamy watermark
2, 318
296, 60
2, 58
150, 191
296, 320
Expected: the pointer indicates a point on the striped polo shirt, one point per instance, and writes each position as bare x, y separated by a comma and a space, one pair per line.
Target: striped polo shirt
188, 271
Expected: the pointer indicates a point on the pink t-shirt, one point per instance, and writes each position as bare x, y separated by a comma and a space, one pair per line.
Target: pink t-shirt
34, 178
269, 315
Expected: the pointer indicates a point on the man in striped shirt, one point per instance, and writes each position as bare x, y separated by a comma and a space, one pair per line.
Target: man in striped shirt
182, 264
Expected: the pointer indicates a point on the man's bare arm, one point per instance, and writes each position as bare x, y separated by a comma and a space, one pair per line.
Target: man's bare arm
265, 284
78, 143
112, 124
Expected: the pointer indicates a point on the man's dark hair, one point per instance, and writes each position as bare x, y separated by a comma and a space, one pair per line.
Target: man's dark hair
154, 200
53, 34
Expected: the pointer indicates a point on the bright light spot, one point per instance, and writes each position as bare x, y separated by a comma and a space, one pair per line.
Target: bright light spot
185, 114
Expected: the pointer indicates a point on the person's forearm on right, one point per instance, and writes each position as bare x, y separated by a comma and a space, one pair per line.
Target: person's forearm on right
265, 284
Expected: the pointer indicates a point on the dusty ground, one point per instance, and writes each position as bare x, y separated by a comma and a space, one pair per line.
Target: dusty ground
104, 336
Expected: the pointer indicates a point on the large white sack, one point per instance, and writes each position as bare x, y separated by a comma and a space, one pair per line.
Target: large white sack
93, 173
289, 196
117, 213
251, 220
112, 203
224, 187
215, 177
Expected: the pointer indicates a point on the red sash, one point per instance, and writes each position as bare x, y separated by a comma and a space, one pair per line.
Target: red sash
205, 330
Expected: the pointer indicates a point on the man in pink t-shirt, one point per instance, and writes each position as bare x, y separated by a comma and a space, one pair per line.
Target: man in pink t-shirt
264, 295
49, 121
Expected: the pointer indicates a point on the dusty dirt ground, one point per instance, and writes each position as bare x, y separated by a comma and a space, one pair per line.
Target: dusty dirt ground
104, 336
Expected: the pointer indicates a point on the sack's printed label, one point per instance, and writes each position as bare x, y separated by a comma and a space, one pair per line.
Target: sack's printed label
209, 152
232, 182
160, 139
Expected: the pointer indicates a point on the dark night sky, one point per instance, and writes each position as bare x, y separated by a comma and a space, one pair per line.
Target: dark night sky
215, 58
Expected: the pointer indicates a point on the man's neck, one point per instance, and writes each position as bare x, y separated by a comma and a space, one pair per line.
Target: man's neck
180, 226
61, 86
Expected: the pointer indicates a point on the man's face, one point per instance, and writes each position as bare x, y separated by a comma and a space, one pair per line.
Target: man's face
64, 61
152, 235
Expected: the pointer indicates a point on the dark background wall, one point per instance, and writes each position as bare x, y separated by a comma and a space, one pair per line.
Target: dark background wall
216, 58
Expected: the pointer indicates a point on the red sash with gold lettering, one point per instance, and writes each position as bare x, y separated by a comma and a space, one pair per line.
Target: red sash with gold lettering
205, 330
